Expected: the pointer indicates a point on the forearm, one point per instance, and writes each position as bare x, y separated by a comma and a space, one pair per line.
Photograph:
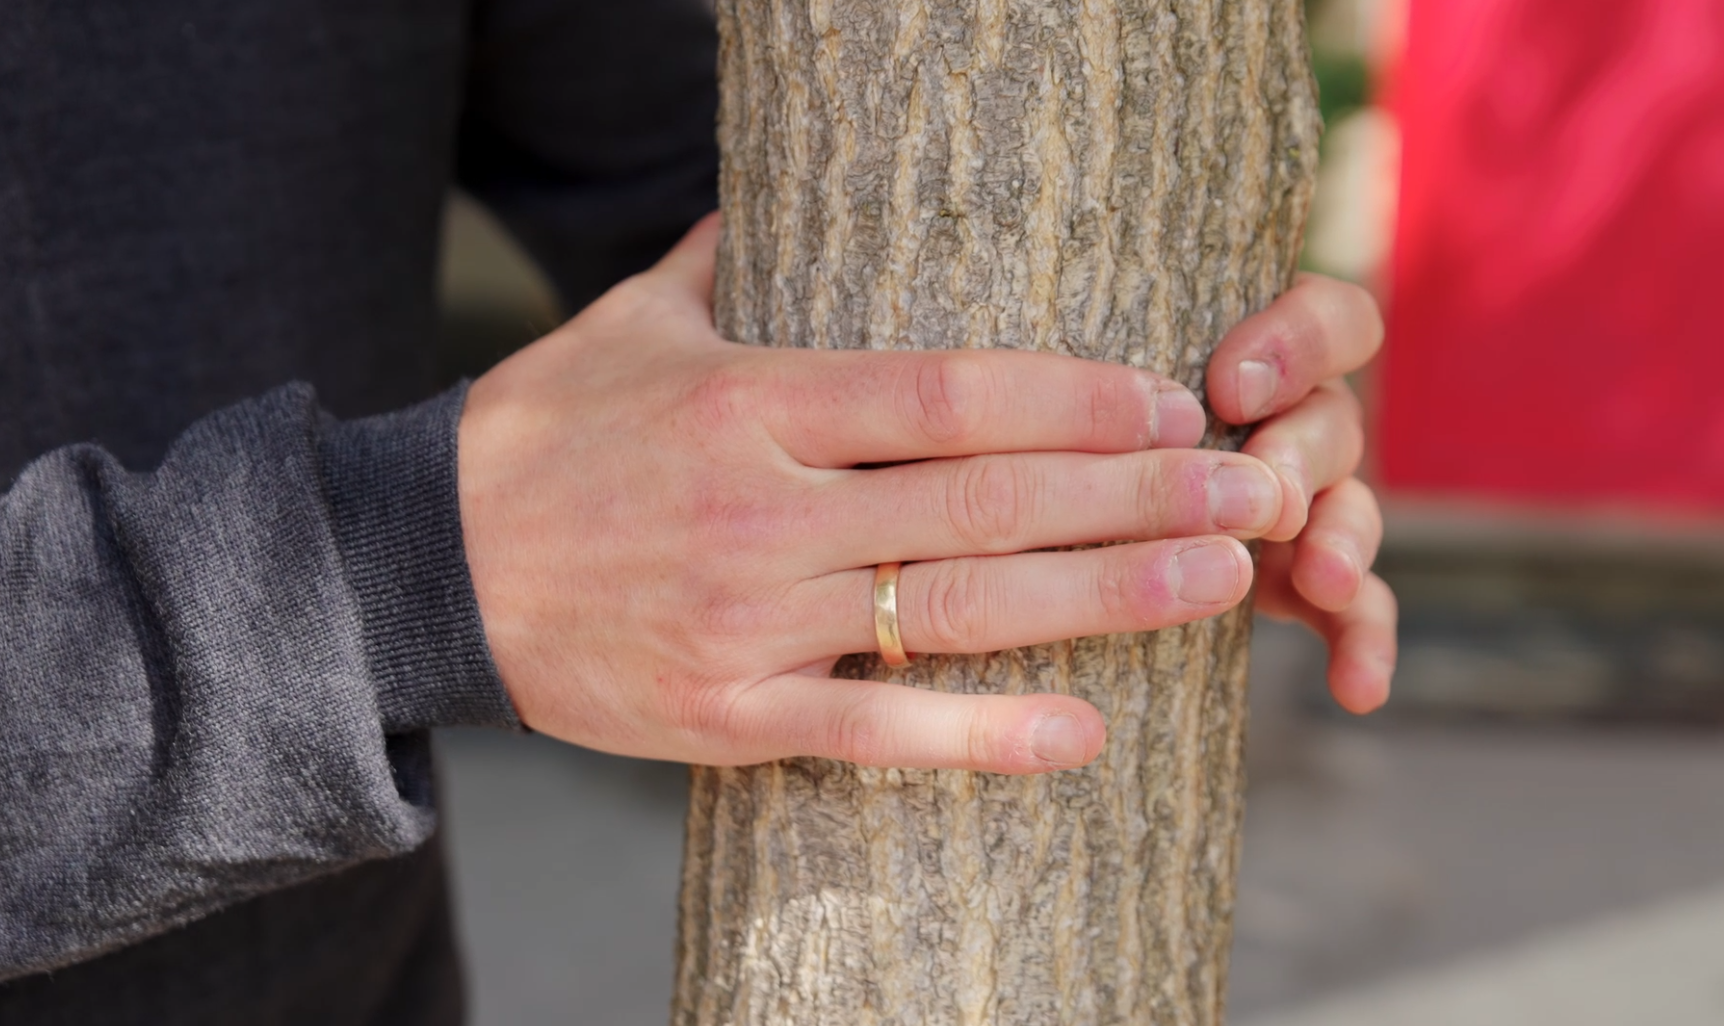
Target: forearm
216, 675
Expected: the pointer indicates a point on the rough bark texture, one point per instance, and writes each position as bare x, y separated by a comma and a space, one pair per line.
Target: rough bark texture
1117, 179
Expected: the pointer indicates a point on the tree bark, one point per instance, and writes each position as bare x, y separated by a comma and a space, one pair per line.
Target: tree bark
1115, 179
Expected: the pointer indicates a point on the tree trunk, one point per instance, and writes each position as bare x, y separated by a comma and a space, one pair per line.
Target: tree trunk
1116, 179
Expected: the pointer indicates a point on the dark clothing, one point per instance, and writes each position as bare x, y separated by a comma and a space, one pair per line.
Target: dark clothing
222, 645
366, 945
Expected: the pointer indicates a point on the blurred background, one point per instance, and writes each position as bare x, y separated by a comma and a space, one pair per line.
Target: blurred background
1533, 832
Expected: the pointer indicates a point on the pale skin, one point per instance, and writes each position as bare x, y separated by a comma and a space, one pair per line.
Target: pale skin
672, 542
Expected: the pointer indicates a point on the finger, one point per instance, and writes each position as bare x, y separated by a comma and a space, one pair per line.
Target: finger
1361, 638
687, 270
1336, 549
838, 409
989, 603
1310, 447
992, 505
1362, 648
1319, 329
879, 724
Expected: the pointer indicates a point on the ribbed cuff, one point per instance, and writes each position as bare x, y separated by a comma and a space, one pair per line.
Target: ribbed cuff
391, 482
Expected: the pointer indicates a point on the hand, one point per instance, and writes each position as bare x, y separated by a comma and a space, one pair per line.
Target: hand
1283, 369
671, 545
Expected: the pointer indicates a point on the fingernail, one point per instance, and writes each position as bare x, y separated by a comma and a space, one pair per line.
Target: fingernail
1257, 381
1383, 661
1206, 574
1059, 741
1348, 550
1242, 497
1294, 478
1177, 418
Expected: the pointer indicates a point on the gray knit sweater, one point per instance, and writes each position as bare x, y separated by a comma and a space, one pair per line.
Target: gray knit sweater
228, 618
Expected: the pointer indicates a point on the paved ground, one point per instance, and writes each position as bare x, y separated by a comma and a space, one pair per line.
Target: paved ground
1663, 964
566, 873
1396, 873
1406, 854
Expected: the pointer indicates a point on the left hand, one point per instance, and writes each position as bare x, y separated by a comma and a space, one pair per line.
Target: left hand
1283, 370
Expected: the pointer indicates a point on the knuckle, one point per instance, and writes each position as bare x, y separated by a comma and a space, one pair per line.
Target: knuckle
1283, 457
1114, 400
1341, 393
743, 512
857, 731
720, 400
948, 397
1357, 497
1294, 468
1283, 441
631, 305
621, 302
1360, 307
723, 619
982, 745
1304, 342
991, 503
1161, 484
1348, 447
1351, 457
732, 519
1123, 593
1384, 597
709, 710
1299, 331
1362, 525
954, 607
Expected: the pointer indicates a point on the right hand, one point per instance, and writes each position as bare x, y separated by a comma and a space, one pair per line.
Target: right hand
671, 545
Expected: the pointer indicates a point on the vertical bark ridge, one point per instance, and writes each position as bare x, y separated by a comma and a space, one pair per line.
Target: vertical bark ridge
1116, 179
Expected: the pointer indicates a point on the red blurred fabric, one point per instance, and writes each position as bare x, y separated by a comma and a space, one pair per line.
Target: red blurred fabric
1558, 277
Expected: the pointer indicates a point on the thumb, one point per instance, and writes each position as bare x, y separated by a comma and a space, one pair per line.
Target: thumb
688, 267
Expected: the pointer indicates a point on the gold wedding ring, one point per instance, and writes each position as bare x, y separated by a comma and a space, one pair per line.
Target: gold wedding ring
886, 615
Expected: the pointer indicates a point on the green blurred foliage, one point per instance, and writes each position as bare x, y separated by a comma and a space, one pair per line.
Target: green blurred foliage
1343, 77
1343, 83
